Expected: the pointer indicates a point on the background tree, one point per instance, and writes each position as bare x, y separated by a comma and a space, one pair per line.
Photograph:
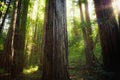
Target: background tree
19, 39
5, 15
87, 34
8, 51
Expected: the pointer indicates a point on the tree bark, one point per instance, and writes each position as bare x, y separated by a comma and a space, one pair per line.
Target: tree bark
19, 39
89, 35
8, 51
55, 63
109, 35
18, 57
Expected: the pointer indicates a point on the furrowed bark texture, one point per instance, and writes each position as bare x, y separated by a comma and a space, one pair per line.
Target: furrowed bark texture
55, 45
109, 35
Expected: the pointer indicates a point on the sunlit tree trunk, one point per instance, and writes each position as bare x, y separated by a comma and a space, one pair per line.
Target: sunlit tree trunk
16, 65
109, 35
19, 39
83, 30
87, 32
90, 42
14, 47
39, 42
8, 51
55, 63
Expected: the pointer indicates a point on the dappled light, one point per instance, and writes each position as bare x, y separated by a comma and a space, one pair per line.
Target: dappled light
116, 5
34, 10
59, 39
30, 70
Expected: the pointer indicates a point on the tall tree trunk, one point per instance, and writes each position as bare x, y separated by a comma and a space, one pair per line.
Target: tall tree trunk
43, 34
17, 58
24, 20
87, 32
40, 49
55, 45
19, 40
3, 21
39, 40
8, 51
89, 35
109, 35
33, 60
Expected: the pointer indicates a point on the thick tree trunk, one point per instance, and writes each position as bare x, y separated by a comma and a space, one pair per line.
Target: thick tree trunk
55, 46
19, 40
109, 35
23, 27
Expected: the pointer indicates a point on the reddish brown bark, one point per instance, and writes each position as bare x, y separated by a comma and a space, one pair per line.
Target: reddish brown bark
55, 45
109, 35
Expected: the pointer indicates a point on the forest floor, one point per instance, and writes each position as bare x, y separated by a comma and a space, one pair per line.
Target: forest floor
75, 72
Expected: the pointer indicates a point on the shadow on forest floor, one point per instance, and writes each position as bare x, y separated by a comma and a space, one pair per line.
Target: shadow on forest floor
27, 75
75, 72
32, 76
83, 73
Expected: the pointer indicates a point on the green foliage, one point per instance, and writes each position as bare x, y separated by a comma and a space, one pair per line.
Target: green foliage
76, 44
2, 8
76, 54
31, 69
35, 20
97, 52
46, 1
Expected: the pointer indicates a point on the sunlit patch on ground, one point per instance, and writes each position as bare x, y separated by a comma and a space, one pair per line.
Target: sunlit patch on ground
30, 70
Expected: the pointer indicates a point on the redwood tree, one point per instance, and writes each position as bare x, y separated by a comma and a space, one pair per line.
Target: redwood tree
109, 35
87, 35
55, 63
19, 39
13, 52
8, 51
